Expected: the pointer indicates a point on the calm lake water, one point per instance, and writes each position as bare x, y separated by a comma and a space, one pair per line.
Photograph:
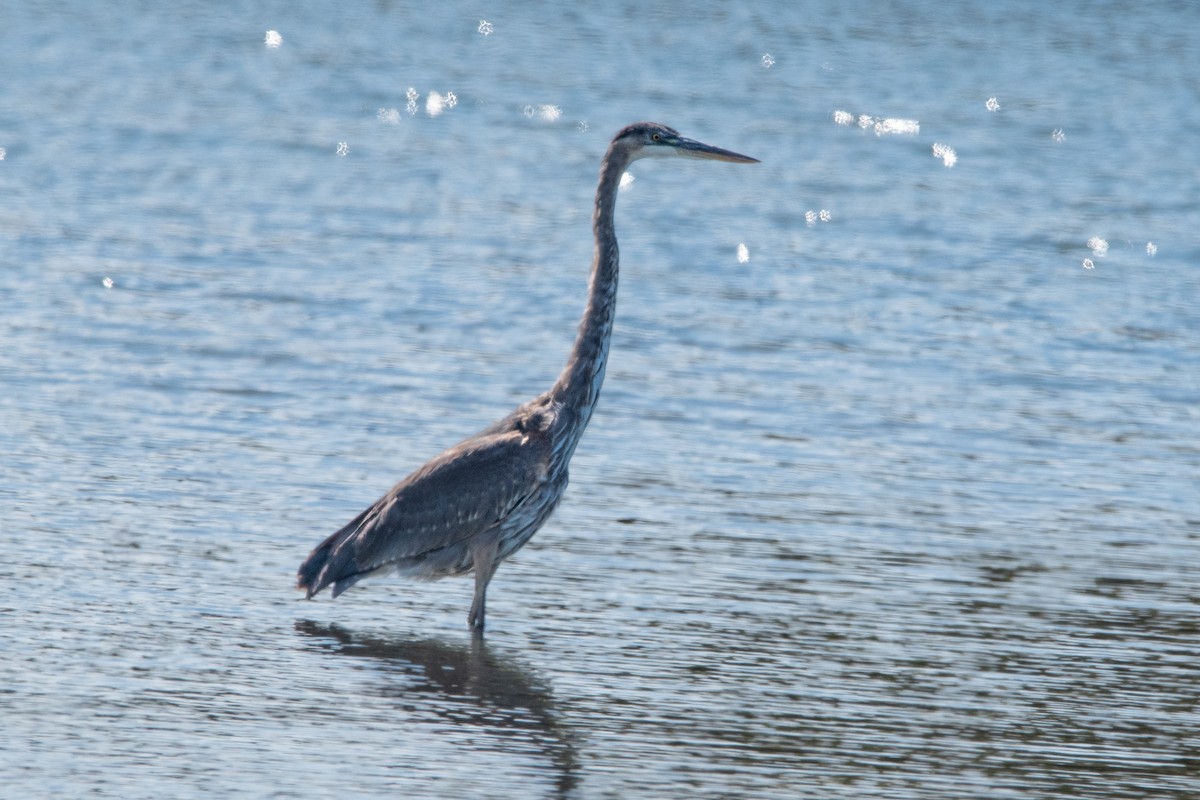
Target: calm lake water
893, 491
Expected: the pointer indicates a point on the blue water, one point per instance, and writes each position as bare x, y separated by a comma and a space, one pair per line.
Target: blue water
904, 502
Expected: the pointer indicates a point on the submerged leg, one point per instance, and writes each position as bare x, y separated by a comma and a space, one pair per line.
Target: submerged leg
485, 568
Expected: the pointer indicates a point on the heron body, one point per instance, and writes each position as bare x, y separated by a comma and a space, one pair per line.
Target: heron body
477, 503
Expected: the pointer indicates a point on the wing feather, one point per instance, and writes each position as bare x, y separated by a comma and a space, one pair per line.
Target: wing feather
459, 494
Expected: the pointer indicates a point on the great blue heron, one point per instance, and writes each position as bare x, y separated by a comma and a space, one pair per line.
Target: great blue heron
477, 503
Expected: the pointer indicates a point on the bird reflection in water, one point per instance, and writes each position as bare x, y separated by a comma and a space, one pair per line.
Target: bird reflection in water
470, 685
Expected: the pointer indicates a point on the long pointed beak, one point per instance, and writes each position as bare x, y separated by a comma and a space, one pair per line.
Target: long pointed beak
694, 149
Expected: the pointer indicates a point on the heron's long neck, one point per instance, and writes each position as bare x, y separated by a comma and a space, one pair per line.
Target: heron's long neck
578, 388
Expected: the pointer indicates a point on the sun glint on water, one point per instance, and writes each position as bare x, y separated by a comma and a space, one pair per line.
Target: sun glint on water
946, 153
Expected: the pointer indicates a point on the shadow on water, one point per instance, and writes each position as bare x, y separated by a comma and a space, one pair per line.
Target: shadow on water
470, 686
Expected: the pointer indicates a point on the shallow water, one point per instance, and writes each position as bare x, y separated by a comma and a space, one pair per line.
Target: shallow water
904, 503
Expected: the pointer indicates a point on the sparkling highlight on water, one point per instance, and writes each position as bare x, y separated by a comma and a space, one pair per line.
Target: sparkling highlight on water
743, 253
895, 125
273, 40
1099, 246
546, 113
945, 153
881, 125
436, 103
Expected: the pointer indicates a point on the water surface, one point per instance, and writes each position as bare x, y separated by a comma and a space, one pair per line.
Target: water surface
901, 503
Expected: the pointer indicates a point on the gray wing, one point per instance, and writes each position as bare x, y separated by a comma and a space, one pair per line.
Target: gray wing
456, 496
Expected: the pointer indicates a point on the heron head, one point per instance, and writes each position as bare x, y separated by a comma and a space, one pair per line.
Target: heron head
646, 139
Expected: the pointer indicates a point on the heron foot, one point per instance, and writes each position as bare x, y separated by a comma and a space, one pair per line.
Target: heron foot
475, 619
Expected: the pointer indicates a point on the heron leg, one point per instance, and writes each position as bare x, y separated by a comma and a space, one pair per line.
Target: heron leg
485, 568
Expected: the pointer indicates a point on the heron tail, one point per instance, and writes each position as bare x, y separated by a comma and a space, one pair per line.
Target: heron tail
331, 562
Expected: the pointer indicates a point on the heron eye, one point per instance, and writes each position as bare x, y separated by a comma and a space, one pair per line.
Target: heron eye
657, 137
